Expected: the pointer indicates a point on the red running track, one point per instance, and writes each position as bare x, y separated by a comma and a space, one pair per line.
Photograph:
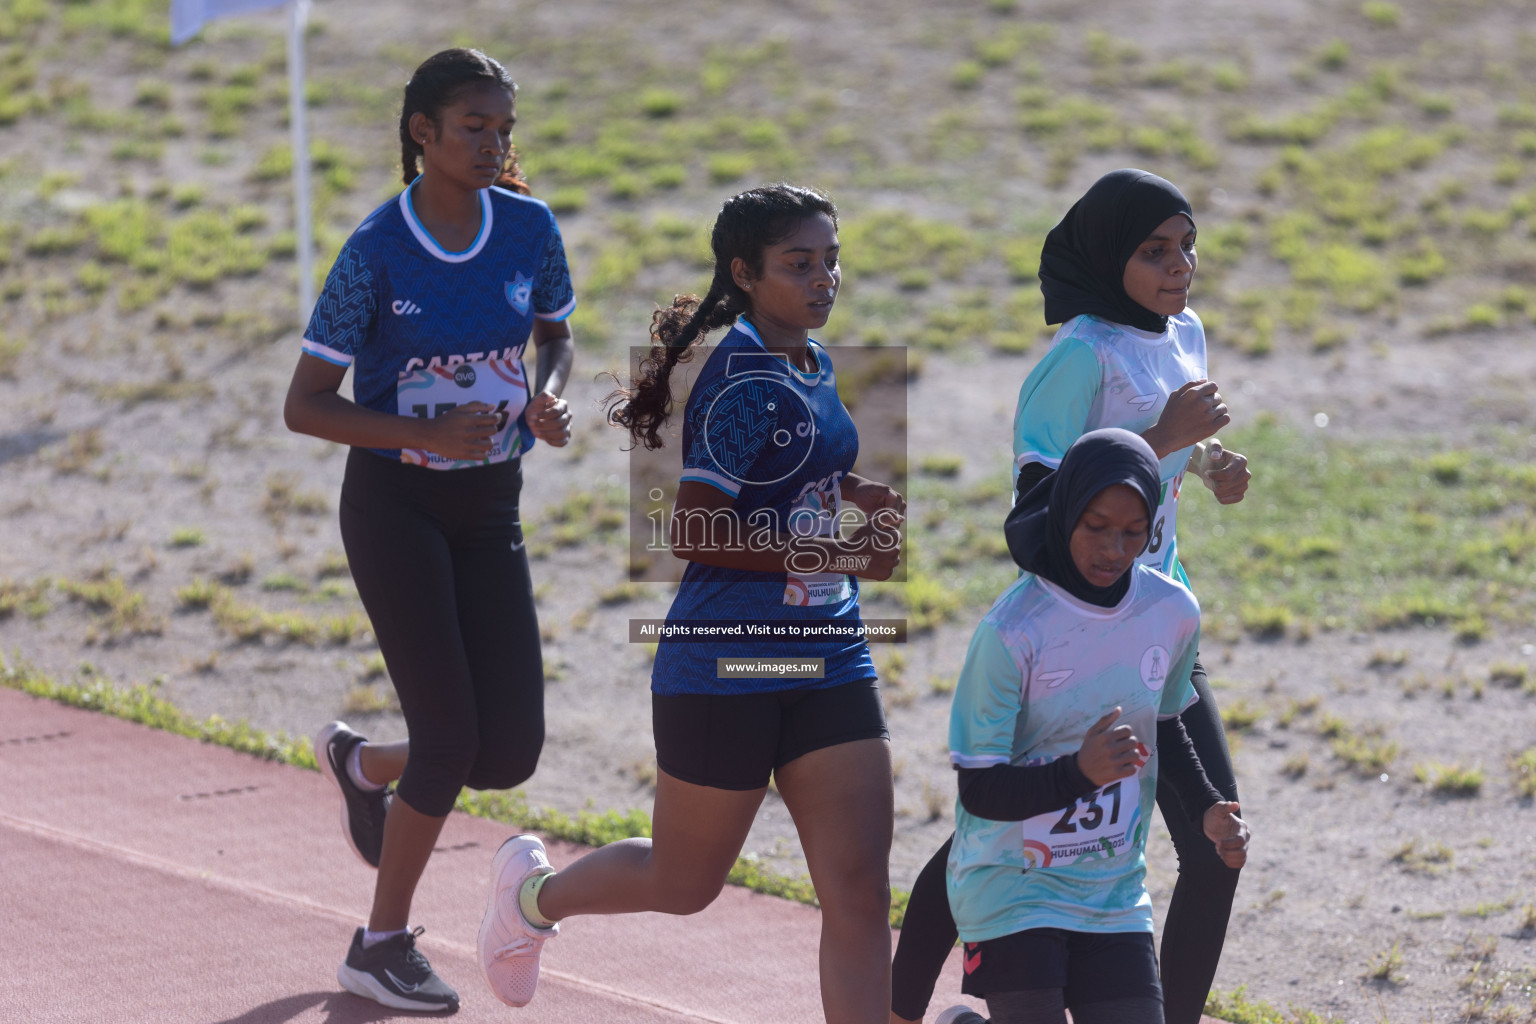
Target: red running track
146, 877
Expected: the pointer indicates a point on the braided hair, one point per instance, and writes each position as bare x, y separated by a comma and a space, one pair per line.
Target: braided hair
748, 224
437, 83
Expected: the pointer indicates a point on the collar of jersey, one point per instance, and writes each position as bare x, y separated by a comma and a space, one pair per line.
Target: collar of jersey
809, 378
1093, 611
430, 244
1149, 337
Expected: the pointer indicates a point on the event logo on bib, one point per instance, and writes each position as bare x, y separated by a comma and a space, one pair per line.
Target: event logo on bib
464, 376
1036, 855
1154, 667
520, 292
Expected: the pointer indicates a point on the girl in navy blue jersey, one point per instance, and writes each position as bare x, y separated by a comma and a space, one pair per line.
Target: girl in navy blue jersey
768, 454
431, 303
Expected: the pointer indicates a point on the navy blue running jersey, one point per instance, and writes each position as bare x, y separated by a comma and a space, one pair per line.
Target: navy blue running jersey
427, 330
779, 441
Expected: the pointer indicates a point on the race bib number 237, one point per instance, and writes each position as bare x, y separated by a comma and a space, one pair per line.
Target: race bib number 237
1100, 825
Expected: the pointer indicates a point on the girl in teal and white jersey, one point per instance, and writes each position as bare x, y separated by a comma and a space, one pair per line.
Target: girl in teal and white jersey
1116, 274
1065, 712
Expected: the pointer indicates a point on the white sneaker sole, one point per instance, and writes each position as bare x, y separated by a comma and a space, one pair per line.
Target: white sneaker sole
361, 983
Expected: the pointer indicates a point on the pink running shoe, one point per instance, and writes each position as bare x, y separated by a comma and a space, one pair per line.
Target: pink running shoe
509, 945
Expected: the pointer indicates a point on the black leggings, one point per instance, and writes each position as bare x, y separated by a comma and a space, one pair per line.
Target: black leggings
439, 563
1193, 932
1045, 1006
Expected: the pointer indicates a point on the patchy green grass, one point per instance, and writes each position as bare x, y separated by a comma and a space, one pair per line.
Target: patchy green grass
248, 623
1364, 752
30, 599
1450, 779
187, 537
583, 516
1485, 910
1383, 537
1386, 965
369, 699
1430, 859
943, 464
119, 611
1240, 715
1357, 174
199, 594
283, 498
1236, 1007
1522, 768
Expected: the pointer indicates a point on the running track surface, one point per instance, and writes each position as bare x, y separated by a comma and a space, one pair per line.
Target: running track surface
145, 877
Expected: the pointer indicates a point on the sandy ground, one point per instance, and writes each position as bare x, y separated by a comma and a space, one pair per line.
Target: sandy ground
1337, 879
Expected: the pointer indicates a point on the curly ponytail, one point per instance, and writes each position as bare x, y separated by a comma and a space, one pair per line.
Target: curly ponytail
748, 224
434, 85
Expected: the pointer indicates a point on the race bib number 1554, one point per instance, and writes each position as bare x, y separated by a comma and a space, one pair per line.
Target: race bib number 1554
431, 392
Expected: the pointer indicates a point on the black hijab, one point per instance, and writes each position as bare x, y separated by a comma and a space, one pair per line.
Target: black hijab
1040, 526
1082, 265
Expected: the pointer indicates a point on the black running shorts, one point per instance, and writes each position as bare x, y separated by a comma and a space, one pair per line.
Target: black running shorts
735, 741
1089, 967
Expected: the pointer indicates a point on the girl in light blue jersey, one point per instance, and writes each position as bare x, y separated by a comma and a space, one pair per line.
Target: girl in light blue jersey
1116, 274
768, 457
1065, 715
431, 304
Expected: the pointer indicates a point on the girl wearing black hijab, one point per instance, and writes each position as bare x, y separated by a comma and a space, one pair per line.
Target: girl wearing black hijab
1116, 274
1065, 714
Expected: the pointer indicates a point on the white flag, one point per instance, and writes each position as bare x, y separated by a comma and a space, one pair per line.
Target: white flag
189, 16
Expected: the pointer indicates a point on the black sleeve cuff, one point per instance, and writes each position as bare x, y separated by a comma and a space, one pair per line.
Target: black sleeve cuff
1030, 474
1011, 792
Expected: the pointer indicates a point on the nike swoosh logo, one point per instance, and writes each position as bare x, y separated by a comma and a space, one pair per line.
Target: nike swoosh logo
402, 986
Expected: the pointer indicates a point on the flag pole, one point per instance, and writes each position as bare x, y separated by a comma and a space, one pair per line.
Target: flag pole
304, 243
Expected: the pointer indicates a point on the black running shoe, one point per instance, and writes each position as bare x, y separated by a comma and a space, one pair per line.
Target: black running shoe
960, 1015
362, 812
394, 973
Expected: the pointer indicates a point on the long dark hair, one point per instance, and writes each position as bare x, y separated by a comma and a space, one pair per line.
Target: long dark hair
437, 83
748, 224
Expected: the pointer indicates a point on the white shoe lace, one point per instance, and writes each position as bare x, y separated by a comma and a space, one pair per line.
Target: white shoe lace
517, 947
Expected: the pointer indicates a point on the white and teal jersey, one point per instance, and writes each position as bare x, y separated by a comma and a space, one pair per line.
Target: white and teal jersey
1103, 374
1042, 668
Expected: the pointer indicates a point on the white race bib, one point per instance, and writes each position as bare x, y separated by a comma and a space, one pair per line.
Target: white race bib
1099, 825
817, 515
1164, 526
432, 391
